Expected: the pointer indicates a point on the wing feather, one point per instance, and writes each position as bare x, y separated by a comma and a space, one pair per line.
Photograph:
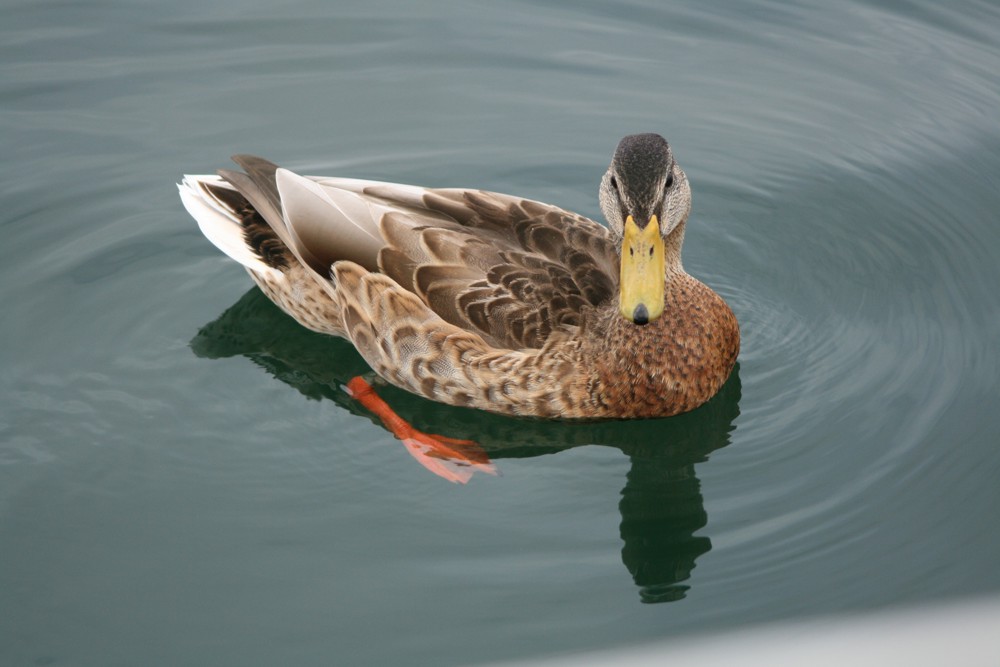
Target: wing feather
514, 271
510, 270
329, 225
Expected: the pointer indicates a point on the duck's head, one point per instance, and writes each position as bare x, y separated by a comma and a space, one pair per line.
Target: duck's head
645, 196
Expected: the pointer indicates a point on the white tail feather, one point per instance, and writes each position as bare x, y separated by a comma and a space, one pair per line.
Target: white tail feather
219, 223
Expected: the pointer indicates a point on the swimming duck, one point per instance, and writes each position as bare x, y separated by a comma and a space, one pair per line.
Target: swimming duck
480, 299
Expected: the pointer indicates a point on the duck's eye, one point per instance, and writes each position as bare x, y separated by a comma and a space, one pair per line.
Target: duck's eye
614, 182
670, 179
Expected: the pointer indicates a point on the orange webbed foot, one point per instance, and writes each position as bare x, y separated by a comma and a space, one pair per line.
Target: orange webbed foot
451, 458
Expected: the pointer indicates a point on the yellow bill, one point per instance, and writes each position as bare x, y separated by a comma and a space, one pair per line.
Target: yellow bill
642, 274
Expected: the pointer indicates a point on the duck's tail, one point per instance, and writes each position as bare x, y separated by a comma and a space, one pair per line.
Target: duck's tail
220, 211
240, 214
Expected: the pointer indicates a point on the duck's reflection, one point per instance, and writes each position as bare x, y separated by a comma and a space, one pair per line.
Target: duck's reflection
661, 506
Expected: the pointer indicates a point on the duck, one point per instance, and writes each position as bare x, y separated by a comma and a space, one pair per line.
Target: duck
485, 300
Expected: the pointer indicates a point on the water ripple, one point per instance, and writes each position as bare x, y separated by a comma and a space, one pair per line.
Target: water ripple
867, 315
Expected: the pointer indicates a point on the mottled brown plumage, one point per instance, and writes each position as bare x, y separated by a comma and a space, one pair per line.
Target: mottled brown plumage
480, 299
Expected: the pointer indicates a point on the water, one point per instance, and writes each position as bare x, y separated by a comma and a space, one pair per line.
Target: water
182, 479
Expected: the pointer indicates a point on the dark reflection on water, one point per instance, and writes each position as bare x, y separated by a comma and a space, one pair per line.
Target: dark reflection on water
661, 504
661, 509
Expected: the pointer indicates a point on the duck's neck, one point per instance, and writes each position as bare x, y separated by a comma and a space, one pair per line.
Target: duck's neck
672, 251
636, 367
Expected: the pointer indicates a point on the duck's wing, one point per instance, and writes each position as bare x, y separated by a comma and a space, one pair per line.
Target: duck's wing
510, 269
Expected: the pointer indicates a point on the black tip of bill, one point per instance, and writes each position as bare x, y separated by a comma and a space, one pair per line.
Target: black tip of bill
641, 314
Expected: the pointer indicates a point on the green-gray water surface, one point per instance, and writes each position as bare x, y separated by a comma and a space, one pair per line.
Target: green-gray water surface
184, 481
